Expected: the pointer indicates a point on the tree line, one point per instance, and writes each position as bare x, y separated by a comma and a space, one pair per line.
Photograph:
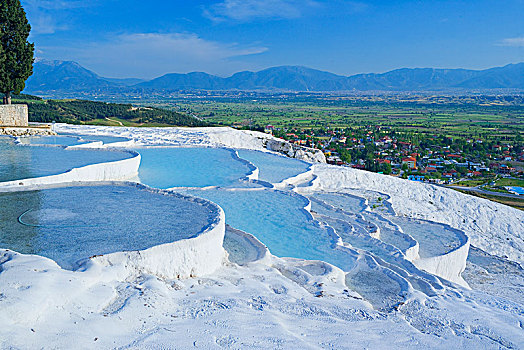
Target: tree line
80, 111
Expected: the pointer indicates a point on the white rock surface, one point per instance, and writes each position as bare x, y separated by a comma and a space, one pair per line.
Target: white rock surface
185, 258
124, 169
131, 300
214, 137
449, 266
493, 227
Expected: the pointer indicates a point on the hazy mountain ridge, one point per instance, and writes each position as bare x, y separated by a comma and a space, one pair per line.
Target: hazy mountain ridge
64, 75
125, 81
70, 76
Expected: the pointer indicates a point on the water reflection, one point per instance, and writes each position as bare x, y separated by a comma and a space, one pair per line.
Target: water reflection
13, 234
14, 159
22, 162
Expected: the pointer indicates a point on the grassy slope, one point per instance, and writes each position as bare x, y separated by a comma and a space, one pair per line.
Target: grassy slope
510, 182
102, 113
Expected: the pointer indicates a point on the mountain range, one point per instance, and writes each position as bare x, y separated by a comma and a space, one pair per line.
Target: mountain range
70, 77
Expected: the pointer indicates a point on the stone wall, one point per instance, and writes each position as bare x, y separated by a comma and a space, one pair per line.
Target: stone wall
14, 115
26, 131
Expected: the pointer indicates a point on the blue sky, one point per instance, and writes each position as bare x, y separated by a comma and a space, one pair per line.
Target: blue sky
145, 39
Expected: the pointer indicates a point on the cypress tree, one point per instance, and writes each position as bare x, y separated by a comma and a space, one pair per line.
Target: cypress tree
16, 53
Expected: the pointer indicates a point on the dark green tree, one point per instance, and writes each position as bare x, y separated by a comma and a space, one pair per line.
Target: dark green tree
16, 53
385, 168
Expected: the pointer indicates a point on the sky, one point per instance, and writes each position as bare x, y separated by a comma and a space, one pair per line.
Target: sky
146, 39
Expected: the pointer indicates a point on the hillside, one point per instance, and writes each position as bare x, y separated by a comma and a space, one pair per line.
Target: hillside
294, 78
276, 78
102, 113
63, 77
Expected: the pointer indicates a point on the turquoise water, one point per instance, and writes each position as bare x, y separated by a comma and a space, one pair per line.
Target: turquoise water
51, 140
278, 220
434, 239
190, 167
71, 223
104, 139
516, 189
21, 162
74, 223
70, 140
274, 168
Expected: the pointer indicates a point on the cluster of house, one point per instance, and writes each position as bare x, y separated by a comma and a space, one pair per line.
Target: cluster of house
441, 163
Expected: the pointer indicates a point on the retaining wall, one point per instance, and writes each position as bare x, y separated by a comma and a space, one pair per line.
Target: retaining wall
14, 115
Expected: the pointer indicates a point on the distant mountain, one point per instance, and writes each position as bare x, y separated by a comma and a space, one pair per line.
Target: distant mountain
64, 76
295, 78
411, 79
281, 78
70, 77
288, 78
510, 76
125, 81
49, 76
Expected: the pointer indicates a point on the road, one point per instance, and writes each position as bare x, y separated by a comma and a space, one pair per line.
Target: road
116, 121
480, 190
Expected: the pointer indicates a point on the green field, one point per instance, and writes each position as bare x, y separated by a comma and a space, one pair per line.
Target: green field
458, 118
470, 183
510, 182
488, 118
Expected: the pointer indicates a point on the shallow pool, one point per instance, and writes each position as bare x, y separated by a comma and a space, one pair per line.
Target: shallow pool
272, 167
351, 209
51, 140
21, 162
70, 139
435, 239
105, 139
516, 189
74, 223
190, 167
346, 202
279, 221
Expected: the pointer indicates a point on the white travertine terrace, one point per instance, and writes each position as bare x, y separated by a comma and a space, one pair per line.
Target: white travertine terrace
148, 298
124, 169
197, 256
493, 227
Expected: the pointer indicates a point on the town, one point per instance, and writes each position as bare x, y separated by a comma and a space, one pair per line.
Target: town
418, 157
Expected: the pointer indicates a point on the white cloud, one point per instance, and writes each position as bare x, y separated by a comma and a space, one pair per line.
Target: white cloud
187, 45
152, 54
517, 42
44, 24
44, 15
245, 10
248, 10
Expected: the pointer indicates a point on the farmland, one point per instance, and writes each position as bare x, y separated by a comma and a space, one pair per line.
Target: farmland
495, 118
